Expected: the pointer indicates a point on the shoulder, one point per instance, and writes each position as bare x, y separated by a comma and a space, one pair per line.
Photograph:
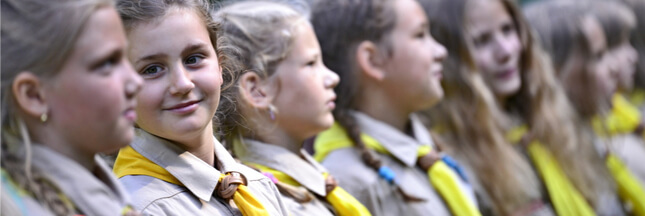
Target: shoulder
147, 191
349, 169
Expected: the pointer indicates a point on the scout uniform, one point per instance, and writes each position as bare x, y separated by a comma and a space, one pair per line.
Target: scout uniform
166, 180
88, 192
362, 181
300, 171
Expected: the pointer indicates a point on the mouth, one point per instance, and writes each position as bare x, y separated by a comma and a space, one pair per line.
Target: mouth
506, 74
330, 103
185, 107
130, 114
438, 72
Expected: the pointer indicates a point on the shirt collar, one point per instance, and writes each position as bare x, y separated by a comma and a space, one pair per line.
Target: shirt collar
90, 193
195, 174
400, 145
305, 170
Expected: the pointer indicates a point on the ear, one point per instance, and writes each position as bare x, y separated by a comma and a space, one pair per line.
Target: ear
29, 94
369, 60
254, 91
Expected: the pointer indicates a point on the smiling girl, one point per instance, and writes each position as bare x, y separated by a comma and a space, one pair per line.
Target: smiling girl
175, 166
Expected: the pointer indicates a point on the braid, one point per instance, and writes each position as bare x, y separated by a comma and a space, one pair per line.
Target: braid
370, 157
354, 132
35, 184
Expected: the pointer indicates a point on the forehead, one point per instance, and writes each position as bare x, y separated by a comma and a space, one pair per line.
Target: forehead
409, 14
483, 15
592, 30
305, 43
103, 31
182, 25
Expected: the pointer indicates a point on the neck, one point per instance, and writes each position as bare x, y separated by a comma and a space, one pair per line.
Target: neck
202, 145
50, 139
278, 137
379, 107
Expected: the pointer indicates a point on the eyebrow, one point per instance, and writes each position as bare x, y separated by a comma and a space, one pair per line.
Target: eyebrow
425, 25
150, 57
192, 47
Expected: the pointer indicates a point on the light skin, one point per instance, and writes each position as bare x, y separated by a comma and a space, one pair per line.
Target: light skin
90, 101
177, 60
407, 79
496, 46
591, 80
301, 90
625, 58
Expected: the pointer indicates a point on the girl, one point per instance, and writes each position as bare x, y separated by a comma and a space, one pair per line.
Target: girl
623, 126
586, 70
501, 84
282, 95
637, 96
175, 166
68, 94
390, 67
617, 23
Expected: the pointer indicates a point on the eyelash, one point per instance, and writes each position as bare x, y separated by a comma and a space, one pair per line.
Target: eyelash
145, 73
201, 57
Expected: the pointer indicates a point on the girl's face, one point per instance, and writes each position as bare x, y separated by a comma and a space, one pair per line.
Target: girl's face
177, 60
592, 76
91, 101
625, 57
497, 47
413, 70
306, 87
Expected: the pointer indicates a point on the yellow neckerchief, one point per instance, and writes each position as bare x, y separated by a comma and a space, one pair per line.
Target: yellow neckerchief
637, 97
344, 203
624, 118
566, 199
130, 162
16, 192
440, 175
629, 189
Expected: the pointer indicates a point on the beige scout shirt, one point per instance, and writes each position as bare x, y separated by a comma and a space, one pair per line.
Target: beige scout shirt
97, 193
486, 202
302, 168
631, 150
376, 194
157, 197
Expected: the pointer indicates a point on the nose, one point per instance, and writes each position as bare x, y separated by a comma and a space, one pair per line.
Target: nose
133, 82
633, 54
331, 79
440, 52
503, 49
181, 82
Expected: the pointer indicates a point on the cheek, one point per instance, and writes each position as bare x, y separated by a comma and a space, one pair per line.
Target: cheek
149, 99
209, 81
96, 101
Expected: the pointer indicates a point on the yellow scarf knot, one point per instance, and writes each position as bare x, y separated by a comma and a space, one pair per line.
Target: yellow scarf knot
233, 184
441, 176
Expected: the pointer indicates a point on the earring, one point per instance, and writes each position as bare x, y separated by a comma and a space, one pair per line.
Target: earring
272, 111
43, 117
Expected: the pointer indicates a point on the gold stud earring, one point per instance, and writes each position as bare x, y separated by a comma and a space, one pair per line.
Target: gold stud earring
43, 117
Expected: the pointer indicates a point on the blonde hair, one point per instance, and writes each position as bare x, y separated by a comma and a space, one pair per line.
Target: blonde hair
476, 124
257, 36
37, 36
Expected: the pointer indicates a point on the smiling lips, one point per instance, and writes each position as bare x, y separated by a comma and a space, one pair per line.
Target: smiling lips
184, 108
